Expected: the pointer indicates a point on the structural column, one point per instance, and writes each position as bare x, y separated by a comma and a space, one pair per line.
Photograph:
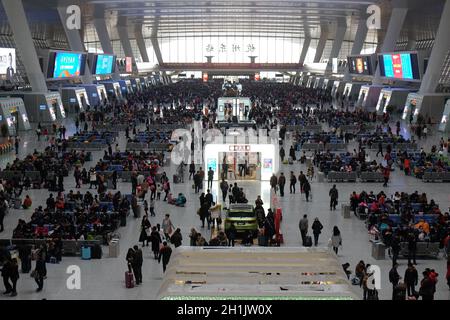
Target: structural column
337, 43
396, 21
305, 49
22, 36
322, 41
122, 30
74, 38
360, 38
103, 36
141, 42
438, 54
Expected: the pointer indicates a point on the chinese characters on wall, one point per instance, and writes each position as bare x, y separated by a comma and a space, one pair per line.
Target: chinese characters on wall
234, 48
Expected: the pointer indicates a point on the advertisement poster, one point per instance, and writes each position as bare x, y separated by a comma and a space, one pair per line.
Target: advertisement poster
267, 165
67, 65
211, 163
104, 64
8, 62
128, 65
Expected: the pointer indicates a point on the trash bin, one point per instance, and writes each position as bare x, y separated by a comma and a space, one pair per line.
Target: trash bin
345, 211
114, 248
320, 177
378, 250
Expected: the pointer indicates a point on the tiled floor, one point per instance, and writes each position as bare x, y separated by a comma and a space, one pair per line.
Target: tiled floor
104, 279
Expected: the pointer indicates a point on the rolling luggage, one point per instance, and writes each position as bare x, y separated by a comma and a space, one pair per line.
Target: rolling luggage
123, 221
291, 161
308, 241
86, 253
176, 179
129, 280
96, 252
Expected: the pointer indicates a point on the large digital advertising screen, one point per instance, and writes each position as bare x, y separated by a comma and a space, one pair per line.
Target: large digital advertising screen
104, 64
66, 65
403, 66
8, 62
360, 65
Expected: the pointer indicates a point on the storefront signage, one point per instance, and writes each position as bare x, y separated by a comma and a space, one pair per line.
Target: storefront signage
238, 148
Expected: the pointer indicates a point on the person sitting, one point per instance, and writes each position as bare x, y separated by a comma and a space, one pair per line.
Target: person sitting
170, 199
27, 202
181, 200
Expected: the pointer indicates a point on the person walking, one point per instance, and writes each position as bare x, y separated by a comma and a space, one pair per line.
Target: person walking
427, 287
411, 279
152, 207
281, 183
197, 182
14, 276
303, 226
293, 182
164, 255
395, 249
210, 177
336, 239
6, 275
334, 194
176, 239
394, 278
224, 188
317, 230
307, 189
155, 239
302, 179
412, 247
191, 170
274, 183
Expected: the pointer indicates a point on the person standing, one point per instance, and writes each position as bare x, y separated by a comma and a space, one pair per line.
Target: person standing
412, 247
16, 144
281, 183
138, 261
317, 230
231, 234
334, 194
336, 239
282, 154
301, 179
411, 279
2, 215
197, 182
77, 176
394, 278
303, 226
293, 182
155, 239
292, 153
395, 249
167, 226
114, 179
164, 255
210, 177
152, 207
386, 174
40, 270
14, 276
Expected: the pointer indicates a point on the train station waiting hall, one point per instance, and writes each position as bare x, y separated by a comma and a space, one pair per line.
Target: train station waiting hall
160, 149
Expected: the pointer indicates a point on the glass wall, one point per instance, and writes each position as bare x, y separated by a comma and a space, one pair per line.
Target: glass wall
230, 48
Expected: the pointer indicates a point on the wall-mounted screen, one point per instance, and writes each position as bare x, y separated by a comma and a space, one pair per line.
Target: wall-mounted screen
8, 62
360, 65
66, 65
104, 64
402, 65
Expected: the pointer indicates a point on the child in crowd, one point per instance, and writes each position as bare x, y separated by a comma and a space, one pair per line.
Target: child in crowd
159, 190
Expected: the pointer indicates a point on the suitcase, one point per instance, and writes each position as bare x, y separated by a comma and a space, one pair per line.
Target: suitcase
176, 179
53, 260
123, 221
96, 252
129, 280
308, 241
291, 161
86, 253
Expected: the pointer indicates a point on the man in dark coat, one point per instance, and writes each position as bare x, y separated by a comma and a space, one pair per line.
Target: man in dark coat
137, 264
164, 255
